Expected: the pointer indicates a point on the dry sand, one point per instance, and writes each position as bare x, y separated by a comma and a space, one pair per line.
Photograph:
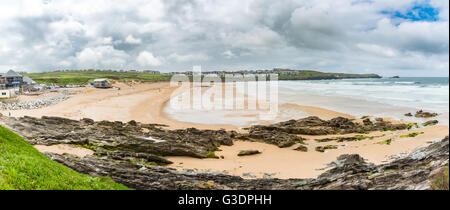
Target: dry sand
141, 102
65, 149
288, 163
145, 103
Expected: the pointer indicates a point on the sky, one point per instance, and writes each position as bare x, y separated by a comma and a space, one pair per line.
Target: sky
387, 37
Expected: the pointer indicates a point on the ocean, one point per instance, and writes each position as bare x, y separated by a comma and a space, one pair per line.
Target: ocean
385, 97
378, 97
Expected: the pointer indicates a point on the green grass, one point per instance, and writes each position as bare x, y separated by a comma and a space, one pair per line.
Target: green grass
411, 125
83, 77
387, 142
430, 124
211, 154
22, 167
411, 135
441, 180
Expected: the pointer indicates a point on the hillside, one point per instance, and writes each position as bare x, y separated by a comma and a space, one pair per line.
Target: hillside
22, 167
78, 77
316, 75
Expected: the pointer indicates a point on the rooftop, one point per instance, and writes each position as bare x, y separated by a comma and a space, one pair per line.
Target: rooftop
11, 73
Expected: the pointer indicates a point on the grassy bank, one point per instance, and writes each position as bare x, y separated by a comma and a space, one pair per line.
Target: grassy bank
22, 167
77, 77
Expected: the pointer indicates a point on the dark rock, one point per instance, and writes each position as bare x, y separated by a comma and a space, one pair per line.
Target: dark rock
408, 114
248, 152
302, 148
278, 138
88, 121
324, 148
431, 122
316, 126
118, 136
367, 122
346, 165
133, 157
422, 114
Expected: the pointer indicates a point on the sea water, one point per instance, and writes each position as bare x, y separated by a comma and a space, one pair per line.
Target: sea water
385, 97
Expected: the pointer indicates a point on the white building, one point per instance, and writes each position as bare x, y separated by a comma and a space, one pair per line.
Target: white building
7, 93
102, 83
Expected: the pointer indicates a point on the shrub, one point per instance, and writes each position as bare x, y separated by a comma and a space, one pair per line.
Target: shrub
441, 180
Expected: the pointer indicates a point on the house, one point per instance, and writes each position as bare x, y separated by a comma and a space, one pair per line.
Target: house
151, 72
31, 87
11, 79
29, 81
102, 83
6, 94
281, 71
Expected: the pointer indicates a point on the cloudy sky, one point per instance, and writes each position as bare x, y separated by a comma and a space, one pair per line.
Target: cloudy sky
388, 37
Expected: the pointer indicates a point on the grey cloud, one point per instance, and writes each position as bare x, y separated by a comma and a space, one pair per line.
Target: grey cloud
345, 35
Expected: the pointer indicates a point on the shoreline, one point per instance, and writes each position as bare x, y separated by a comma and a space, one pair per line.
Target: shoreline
146, 102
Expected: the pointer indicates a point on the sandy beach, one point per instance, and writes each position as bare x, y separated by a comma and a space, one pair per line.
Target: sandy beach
146, 103
287, 163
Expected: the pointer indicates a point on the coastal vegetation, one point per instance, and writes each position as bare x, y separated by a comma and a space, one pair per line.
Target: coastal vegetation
83, 77
441, 180
411, 125
22, 167
324, 148
411, 135
387, 142
211, 154
430, 123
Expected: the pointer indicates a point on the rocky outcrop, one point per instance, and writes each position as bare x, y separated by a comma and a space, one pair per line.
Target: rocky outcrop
267, 135
348, 172
422, 114
121, 140
339, 125
248, 152
302, 148
325, 148
431, 122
